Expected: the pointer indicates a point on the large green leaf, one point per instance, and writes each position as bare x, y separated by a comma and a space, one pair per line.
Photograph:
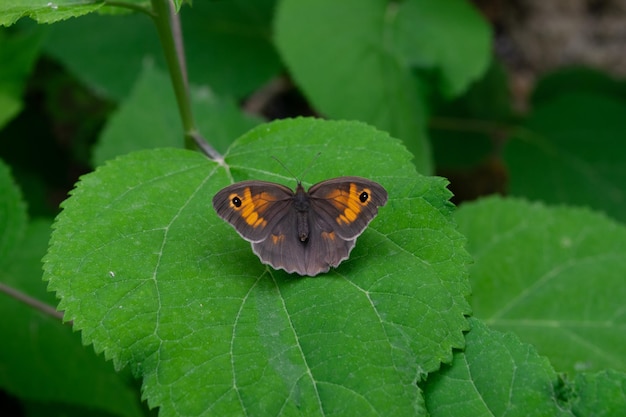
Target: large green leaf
357, 60
571, 151
154, 278
496, 375
42, 360
554, 276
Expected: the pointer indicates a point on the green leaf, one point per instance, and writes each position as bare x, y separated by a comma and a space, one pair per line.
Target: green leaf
42, 360
588, 80
96, 48
147, 118
357, 60
569, 152
601, 394
154, 278
230, 47
496, 375
463, 130
450, 37
18, 51
44, 11
554, 276
12, 214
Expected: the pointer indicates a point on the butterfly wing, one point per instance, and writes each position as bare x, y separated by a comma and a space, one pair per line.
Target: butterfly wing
263, 213
284, 250
253, 208
346, 205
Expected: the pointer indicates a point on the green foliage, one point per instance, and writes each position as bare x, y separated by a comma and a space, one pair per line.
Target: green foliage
572, 137
227, 46
532, 275
370, 53
12, 215
600, 394
145, 119
495, 375
147, 273
17, 54
43, 360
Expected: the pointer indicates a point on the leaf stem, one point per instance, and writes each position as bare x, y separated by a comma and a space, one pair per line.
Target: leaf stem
170, 34
31, 302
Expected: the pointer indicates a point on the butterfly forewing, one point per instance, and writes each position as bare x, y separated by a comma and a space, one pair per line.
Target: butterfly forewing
347, 203
253, 207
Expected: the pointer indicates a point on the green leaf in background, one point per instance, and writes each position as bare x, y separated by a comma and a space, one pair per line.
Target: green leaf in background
569, 152
463, 131
12, 215
554, 276
496, 375
357, 60
42, 360
146, 119
18, 51
154, 278
44, 11
587, 80
601, 394
95, 47
227, 47
450, 37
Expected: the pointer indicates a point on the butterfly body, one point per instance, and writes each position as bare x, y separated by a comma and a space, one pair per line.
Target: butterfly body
302, 232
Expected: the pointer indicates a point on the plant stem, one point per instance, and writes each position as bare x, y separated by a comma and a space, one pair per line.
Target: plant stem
168, 27
31, 302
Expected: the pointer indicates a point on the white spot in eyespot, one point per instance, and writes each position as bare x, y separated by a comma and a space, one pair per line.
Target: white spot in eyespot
52, 6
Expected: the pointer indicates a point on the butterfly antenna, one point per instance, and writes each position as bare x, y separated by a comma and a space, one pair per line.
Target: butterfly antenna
286, 169
310, 163
303, 172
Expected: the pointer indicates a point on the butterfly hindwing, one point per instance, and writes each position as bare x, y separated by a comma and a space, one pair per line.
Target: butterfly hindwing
322, 250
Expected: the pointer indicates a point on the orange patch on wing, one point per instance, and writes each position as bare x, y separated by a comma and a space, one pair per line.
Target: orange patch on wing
276, 239
328, 236
251, 208
349, 203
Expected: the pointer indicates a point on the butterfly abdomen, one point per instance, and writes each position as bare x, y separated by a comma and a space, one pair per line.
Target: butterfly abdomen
302, 206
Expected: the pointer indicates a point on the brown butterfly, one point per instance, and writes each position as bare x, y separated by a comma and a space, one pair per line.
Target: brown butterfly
302, 232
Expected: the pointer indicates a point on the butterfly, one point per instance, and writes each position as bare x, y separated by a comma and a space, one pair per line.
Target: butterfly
306, 232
